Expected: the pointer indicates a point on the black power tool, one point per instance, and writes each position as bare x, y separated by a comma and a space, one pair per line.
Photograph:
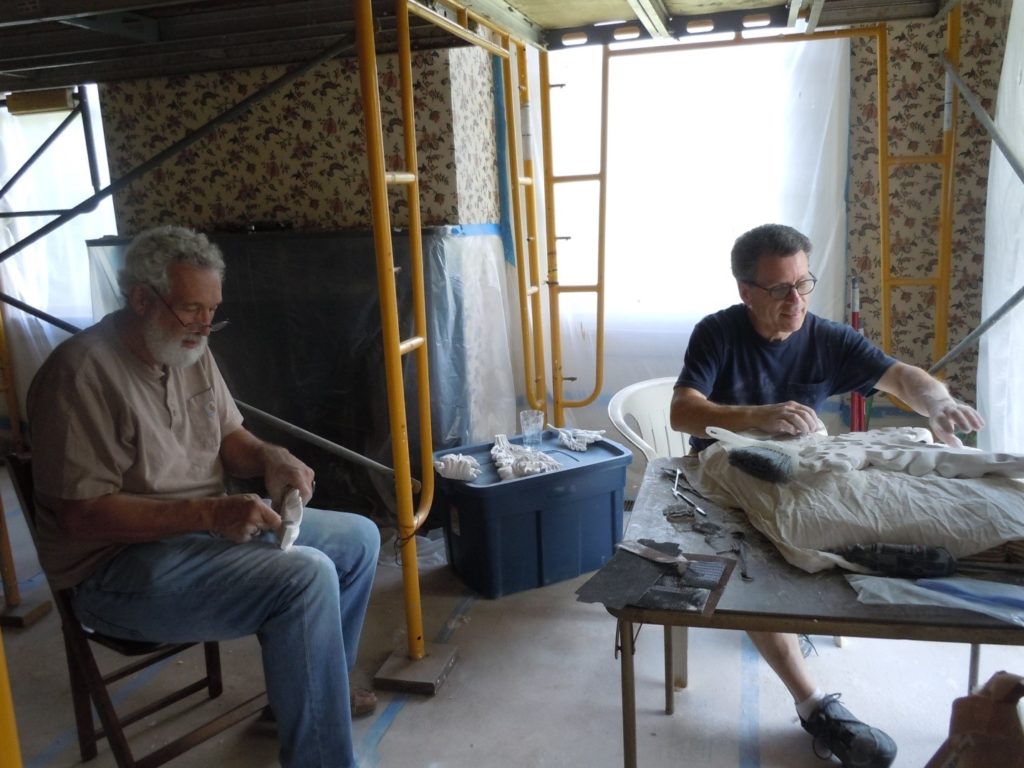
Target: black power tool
915, 561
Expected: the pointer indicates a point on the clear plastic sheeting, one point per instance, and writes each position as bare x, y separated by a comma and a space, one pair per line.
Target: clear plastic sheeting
1000, 363
430, 550
996, 599
474, 270
50, 274
674, 216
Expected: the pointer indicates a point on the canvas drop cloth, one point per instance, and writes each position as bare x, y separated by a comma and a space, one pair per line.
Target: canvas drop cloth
824, 508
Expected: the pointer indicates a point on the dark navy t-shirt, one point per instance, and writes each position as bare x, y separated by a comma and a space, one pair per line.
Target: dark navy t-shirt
728, 362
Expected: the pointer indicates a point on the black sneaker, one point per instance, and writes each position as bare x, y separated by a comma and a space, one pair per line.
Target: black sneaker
837, 732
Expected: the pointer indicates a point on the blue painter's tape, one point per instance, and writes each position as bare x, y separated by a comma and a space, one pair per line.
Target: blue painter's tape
501, 142
369, 746
750, 704
475, 230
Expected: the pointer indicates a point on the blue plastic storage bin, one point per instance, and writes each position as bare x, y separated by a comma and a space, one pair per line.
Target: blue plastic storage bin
504, 536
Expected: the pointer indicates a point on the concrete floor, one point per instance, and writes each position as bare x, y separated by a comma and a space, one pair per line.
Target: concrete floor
536, 683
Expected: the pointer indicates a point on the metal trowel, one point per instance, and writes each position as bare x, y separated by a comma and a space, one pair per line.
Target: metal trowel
655, 556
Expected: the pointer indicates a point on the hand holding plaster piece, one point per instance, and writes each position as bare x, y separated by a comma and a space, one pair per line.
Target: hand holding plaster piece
291, 519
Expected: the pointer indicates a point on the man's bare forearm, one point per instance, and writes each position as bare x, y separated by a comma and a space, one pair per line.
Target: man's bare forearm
693, 413
128, 519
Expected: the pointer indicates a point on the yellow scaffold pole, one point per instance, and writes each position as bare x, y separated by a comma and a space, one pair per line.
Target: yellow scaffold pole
10, 751
418, 670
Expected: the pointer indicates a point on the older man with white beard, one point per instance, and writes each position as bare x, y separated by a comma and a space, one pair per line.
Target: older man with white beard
133, 433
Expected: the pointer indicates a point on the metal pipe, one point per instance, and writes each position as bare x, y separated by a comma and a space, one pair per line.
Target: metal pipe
90, 139
533, 357
64, 326
628, 683
972, 671
940, 342
602, 226
882, 137
985, 120
42, 148
381, 211
239, 109
550, 230
31, 214
530, 210
984, 326
416, 345
319, 442
455, 29
10, 750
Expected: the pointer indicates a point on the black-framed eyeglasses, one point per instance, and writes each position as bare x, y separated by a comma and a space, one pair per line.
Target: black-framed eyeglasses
195, 326
782, 290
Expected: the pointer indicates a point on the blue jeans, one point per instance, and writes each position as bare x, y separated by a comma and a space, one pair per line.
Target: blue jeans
306, 606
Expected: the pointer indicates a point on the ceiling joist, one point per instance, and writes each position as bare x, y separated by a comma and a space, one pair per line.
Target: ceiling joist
60, 43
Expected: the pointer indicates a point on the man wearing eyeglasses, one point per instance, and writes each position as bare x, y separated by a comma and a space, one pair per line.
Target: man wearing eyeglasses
768, 364
133, 434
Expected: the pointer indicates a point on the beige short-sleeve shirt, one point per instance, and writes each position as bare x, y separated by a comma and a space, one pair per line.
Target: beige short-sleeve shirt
103, 422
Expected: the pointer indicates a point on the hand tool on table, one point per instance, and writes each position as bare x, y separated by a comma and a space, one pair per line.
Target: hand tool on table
739, 548
676, 474
679, 562
915, 561
677, 513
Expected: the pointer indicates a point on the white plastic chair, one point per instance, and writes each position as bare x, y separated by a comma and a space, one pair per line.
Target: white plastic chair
641, 414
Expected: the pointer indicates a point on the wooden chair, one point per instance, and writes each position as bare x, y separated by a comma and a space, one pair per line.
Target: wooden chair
91, 688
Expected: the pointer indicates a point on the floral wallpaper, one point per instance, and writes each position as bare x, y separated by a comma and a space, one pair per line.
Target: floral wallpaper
916, 82
474, 134
298, 157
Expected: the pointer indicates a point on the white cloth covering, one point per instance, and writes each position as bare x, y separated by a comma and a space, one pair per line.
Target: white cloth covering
829, 504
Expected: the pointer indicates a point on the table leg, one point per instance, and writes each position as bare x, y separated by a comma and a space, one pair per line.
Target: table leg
628, 694
670, 699
680, 652
972, 672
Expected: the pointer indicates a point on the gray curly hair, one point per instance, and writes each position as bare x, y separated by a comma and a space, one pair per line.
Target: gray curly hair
766, 240
153, 251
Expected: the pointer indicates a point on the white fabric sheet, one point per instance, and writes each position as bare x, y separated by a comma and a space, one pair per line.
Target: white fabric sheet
824, 509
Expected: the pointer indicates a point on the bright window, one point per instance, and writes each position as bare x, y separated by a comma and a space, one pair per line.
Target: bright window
703, 144
52, 274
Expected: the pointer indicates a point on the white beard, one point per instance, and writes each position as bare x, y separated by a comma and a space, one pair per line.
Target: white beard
167, 349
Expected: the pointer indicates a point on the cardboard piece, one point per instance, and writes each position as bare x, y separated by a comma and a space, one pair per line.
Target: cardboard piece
985, 728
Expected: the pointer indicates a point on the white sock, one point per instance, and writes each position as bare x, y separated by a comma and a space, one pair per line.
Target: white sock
806, 707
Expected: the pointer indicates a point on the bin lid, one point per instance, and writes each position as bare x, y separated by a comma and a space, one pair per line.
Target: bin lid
606, 453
